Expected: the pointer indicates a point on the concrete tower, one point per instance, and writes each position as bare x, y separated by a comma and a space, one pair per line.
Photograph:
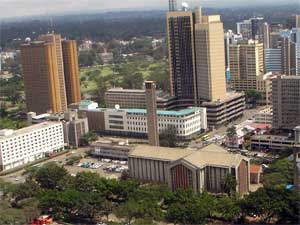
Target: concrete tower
152, 123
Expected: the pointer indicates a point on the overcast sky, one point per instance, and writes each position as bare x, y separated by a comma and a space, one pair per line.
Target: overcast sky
13, 8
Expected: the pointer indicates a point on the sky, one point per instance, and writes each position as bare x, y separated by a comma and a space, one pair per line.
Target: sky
17, 8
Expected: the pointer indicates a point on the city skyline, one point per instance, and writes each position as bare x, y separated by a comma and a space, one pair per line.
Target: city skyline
19, 8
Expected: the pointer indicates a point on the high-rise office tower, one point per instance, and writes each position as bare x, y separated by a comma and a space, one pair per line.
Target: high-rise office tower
230, 38
56, 40
297, 18
50, 71
286, 102
266, 35
273, 60
288, 56
245, 29
246, 64
257, 28
41, 78
180, 28
210, 59
172, 5
71, 71
152, 123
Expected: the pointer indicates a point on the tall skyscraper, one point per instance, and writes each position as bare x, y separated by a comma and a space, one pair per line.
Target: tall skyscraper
273, 60
297, 18
172, 5
41, 78
288, 56
286, 102
71, 71
153, 135
246, 64
48, 71
180, 28
245, 29
266, 35
56, 40
210, 59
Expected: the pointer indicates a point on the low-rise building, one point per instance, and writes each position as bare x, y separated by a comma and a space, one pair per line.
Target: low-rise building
224, 111
28, 144
110, 150
264, 116
271, 142
188, 122
256, 172
202, 170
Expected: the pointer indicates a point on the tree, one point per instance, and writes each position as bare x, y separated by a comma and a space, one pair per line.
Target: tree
279, 174
232, 136
133, 80
227, 208
229, 184
130, 210
50, 175
253, 96
168, 137
106, 208
88, 138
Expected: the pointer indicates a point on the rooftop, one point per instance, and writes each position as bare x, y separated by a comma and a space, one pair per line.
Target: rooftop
29, 129
126, 90
213, 155
182, 112
255, 168
232, 95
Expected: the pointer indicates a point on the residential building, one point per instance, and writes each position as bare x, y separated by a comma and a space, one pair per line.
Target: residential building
286, 102
28, 144
210, 59
110, 150
264, 116
224, 111
180, 30
152, 123
246, 64
133, 122
202, 170
71, 71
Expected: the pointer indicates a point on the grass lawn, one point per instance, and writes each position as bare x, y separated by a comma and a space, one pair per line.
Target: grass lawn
9, 215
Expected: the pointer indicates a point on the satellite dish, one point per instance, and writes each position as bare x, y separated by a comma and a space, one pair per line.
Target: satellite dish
28, 39
184, 5
117, 107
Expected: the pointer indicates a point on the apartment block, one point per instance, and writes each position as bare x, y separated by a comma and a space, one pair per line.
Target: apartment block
26, 145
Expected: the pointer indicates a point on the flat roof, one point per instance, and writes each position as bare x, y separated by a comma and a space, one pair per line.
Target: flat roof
231, 95
182, 112
29, 129
126, 90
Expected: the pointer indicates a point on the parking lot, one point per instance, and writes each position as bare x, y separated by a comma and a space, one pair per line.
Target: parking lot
105, 168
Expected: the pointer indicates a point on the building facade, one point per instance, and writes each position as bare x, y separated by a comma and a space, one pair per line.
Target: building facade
110, 150
210, 59
49, 68
273, 61
26, 145
203, 170
180, 30
71, 71
286, 102
133, 122
246, 64
225, 111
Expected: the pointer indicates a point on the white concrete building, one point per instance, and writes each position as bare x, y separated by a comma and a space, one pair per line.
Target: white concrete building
29, 144
133, 122
264, 116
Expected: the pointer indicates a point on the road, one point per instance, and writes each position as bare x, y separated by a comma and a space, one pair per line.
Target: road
249, 113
